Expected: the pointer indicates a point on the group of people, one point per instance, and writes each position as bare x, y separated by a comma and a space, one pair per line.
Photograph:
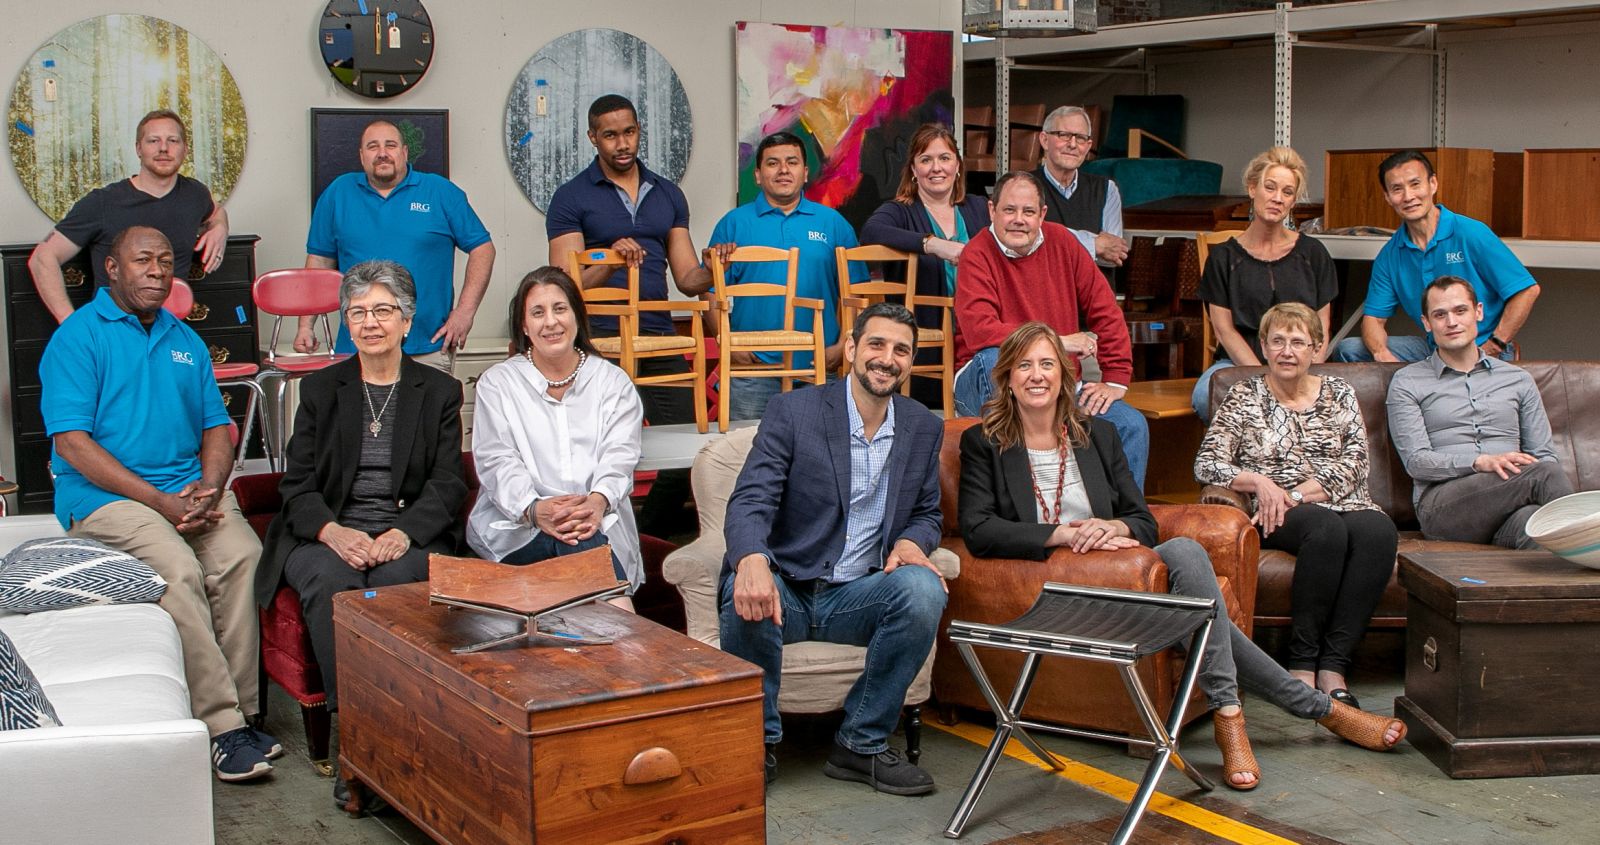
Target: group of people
837, 509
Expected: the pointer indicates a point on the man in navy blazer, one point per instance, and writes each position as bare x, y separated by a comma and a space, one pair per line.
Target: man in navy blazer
828, 534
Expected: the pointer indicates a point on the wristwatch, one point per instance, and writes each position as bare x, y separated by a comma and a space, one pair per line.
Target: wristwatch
1503, 344
1297, 496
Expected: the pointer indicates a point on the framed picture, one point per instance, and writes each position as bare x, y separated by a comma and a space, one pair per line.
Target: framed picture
336, 141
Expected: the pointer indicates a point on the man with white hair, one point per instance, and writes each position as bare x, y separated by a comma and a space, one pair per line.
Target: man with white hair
1087, 204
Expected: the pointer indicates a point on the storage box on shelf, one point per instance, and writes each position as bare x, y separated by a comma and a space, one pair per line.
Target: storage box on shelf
1353, 195
1566, 207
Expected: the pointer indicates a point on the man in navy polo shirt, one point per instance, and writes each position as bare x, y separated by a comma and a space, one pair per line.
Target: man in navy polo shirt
1436, 242
141, 456
618, 203
418, 220
782, 217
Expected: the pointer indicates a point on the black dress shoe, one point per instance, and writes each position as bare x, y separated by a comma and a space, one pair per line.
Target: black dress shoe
887, 771
1344, 697
770, 762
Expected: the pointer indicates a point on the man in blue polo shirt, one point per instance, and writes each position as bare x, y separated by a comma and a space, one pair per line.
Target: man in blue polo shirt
418, 220
618, 203
1436, 242
782, 217
141, 456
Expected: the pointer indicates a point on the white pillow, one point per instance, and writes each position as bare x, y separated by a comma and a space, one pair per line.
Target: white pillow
22, 700
60, 572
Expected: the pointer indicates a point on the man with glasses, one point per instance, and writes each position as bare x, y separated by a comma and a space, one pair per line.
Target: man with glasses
417, 220
1088, 205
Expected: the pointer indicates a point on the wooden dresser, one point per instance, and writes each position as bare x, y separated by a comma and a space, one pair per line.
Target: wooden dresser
224, 316
655, 738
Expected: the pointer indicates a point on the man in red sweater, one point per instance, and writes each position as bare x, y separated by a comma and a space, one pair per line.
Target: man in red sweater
1022, 268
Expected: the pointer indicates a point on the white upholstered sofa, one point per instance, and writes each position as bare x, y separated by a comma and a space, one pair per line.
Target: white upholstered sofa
128, 764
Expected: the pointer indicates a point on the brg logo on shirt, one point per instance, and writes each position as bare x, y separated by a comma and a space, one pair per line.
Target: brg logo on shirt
422, 207
1455, 257
820, 237
181, 357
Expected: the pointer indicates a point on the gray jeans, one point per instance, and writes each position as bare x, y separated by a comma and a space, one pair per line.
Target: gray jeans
1231, 659
1485, 508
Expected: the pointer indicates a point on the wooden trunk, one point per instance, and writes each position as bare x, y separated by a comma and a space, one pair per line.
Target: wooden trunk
1353, 196
655, 738
1501, 663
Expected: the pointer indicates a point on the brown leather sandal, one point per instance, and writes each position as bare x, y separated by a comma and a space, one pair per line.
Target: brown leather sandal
1362, 728
1237, 758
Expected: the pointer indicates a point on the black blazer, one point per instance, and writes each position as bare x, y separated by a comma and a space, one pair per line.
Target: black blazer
323, 455
998, 511
902, 226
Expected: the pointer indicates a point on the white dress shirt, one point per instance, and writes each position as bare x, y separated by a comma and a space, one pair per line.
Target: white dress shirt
528, 446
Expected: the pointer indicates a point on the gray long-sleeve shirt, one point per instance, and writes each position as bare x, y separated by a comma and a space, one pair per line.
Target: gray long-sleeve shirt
1442, 419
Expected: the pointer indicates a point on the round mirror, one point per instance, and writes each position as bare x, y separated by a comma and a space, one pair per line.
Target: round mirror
376, 48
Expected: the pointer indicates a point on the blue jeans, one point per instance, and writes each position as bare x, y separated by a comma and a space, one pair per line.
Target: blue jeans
751, 395
1201, 397
1404, 347
543, 547
894, 615
974, 386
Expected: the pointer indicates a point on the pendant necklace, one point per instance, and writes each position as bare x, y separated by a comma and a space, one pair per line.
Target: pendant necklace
1053, 517
377, 415
583, 358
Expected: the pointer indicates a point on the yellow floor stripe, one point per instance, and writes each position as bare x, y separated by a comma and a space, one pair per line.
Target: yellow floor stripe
1123, 789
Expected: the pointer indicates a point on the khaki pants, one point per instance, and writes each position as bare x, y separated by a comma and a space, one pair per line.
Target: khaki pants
210, 596
444, 360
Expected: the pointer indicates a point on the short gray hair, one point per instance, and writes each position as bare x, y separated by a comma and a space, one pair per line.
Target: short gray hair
360, 279
1063, 112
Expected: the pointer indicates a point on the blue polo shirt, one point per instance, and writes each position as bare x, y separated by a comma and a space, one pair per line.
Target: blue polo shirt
421, 224
596, 208
816, 229
145, 397
1461, 246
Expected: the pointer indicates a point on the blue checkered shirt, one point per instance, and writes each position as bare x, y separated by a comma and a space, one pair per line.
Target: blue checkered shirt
869, 494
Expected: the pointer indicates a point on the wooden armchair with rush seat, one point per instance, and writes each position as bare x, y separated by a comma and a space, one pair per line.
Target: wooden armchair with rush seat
855, 296
1086, 695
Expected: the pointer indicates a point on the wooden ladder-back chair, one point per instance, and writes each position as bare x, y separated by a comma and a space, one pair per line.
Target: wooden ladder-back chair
858, 295
1204, 241
630, 344
787, 340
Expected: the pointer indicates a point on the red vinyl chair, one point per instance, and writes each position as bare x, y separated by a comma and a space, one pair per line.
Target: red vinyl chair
297, 292
180, 304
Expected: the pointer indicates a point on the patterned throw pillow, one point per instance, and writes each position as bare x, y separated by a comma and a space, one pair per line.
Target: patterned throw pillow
61, 572
22, 701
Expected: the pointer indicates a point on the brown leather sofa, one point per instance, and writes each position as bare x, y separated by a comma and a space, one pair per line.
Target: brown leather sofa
1076, 692
1571, 393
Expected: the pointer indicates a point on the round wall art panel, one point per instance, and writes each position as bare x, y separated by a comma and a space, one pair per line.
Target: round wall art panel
376, 48
78, 101
547, 114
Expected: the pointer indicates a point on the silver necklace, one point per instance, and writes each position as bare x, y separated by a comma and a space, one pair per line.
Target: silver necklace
583, 358
377, 415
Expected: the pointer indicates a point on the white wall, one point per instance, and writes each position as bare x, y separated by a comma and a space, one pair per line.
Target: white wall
482, 45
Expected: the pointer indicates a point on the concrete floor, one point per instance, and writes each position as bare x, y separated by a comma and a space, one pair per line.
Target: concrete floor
1311, 782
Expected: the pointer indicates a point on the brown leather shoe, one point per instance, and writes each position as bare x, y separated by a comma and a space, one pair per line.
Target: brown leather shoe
1237, 758
1362, 728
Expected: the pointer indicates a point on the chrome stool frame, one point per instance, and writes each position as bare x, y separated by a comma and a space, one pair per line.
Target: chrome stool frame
1105, 626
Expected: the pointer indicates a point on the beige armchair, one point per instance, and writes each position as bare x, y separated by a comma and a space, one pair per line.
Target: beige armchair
816, 676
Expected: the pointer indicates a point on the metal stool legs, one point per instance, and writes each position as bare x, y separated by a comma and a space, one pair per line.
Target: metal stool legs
1077, 604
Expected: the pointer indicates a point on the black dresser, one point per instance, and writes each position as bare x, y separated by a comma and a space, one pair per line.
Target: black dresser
223, 315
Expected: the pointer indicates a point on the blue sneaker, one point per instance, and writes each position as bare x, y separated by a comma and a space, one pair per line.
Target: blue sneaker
265, 743
235, 758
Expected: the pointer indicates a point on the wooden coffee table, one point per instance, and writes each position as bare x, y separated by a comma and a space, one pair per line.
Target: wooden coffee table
653, 738
1501, 663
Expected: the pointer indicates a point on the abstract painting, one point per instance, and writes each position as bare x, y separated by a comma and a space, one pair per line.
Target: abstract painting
853, 95
336, 141
79, 98
547, 114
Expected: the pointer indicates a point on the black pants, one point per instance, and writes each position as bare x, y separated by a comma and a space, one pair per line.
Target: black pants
662, 514
316, 573
1342, 564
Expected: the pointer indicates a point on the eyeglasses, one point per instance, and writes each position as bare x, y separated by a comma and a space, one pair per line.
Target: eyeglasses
381, 313
1070, 137
1277, 344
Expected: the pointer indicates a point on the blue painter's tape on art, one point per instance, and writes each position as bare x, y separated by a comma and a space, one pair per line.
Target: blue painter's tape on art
49, 63
540, 83
238, 311
526, 137
24, 128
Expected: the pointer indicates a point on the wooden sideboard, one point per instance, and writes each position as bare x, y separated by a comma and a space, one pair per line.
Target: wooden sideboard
224, 315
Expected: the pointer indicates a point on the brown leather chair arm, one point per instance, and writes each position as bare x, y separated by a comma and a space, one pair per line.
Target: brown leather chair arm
1228, 537
1212, 494
997, 590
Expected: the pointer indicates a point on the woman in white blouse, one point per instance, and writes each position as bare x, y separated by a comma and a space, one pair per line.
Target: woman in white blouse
555, 439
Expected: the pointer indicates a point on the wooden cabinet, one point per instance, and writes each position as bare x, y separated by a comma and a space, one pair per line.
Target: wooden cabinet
1353, 196
1559, 200
223, 315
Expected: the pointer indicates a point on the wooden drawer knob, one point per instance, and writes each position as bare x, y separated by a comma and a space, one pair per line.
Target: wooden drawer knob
652, 765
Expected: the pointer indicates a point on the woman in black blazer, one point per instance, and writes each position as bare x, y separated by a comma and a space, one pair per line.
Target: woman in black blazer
374, 479
1039, 473
930, 216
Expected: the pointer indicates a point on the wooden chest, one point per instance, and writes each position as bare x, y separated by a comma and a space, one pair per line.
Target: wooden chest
653, 739
1501, 663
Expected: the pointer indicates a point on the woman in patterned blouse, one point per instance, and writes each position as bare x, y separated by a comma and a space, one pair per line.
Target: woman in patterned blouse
1296, 443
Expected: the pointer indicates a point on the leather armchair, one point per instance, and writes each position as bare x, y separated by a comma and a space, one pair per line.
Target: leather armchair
995, 590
